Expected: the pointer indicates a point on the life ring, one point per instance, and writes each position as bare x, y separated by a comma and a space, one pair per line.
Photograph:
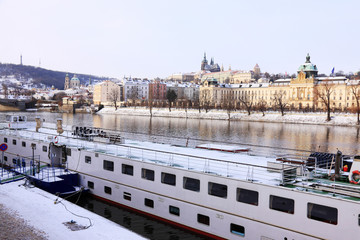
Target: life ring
357, 180
56, 140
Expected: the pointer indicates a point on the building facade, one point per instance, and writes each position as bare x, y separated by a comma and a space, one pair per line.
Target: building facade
107, 92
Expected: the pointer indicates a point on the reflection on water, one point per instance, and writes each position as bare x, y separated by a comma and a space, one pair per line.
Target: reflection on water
274, 135
144, 226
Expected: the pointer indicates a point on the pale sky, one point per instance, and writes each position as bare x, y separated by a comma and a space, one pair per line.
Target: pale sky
156, 38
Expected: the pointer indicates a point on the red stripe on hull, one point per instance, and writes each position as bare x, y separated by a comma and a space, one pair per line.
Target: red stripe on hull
161, 219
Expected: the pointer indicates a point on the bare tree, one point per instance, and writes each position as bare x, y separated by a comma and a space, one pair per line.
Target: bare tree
323, 91
133, 95
280, 101
114, 97
206, 100
355, 90
261, 106
246, 102
228, 105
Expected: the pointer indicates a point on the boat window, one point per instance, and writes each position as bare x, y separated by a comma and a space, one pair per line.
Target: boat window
108, 165
203, 219
147, 174
282, 204
44, 148
247, 196
107, 190
174, 210
127, 169
68, 151
5, 158
5, 139
96, 154
149, 203
191, 184
23, 144
237, 229
90, 184
322, 213
218, 190
127, 196
88, 159
359, 219
168, 178
14, 141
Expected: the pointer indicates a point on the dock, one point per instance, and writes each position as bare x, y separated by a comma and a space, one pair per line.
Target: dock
54, 218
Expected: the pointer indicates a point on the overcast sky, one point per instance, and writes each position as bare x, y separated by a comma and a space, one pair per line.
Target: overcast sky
153, 38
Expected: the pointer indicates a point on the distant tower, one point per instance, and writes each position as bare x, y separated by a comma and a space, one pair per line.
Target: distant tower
67, 82
222, 68
257, 70
204, 62
229, 67
20, 59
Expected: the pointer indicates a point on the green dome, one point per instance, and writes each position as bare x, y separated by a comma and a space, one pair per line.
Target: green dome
308, 68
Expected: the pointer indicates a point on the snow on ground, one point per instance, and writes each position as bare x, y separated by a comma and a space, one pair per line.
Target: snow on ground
37, 208
343, 119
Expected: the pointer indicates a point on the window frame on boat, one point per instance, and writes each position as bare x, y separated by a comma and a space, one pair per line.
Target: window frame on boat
322, 213
174, 210
247, 196
68, 152
203, 219
127, 169
14, 141
168, 178
237, 229
149, 203
108, 165
44, 148
90, 184
107, 190
88, 159
191, 184
127, 196
23, 144
148, 174
217, 189
5, 140
281, 204
5, 158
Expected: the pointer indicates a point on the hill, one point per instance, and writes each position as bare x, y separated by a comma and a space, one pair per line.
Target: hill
44, 76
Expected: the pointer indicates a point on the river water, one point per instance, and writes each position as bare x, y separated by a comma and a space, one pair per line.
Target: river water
262, 138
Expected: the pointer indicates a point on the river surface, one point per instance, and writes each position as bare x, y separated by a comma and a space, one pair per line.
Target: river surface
264, 138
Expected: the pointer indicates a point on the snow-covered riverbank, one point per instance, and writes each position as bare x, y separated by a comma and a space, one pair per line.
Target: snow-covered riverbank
338, 119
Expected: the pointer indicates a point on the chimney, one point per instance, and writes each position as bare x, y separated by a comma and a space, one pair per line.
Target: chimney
59, 126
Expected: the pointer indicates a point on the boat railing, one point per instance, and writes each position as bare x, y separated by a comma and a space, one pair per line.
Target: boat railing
230, 169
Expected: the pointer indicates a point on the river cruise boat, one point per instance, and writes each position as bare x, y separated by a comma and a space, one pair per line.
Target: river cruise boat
222, 195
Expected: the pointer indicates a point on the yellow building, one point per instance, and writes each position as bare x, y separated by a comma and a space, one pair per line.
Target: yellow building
296, 93
106, 92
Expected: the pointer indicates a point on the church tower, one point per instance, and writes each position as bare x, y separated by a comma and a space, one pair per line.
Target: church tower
204, 63
67, 82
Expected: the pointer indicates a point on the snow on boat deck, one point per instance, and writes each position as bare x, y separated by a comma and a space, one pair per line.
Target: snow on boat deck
223, 148
38, 209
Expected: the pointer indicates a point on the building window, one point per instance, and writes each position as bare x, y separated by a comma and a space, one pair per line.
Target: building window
174, 210
5, 139
14, 141
282, 204
191, 184
127, 169
23, 144
322, 213
148, 174
237, 229
127, 196
203, 219
247, 196
168, 178
218, 190
88, 159
90, 184
149, 203
44, 148
108, 165
107, 190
